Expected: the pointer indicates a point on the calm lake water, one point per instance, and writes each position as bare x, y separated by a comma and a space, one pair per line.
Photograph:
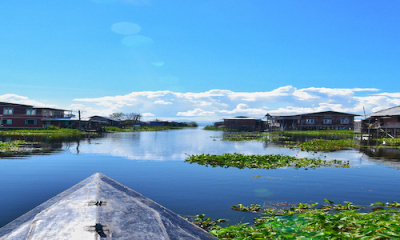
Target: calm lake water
152, 163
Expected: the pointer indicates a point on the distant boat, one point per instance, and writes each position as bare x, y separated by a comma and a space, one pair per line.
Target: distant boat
101, 208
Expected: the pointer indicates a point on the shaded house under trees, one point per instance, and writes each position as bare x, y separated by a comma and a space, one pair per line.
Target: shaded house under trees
105, 121
327, 120
382, 123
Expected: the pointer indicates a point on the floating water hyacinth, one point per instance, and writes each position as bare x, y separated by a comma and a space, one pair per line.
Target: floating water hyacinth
272, 161
314, 221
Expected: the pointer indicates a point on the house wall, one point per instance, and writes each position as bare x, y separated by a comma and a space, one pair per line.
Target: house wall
391, 122
20, 119
326, 121
244, 124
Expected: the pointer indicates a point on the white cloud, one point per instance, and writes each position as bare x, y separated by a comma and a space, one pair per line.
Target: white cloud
162, 102
393, 95
215, 104
14, 98
125, 28
195, 113
148, 115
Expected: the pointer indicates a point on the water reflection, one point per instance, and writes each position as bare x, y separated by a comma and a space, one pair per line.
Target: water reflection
43, 145
385, 156
152, 164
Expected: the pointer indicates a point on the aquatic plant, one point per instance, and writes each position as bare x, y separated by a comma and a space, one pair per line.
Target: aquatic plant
44, 131
262, 161
323, 145
316, 221
142, 128
390, 142
342, 133
212, 128
10, 146
245, 137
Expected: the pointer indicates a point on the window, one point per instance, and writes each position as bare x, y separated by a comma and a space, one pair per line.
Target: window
398, 119
30, 111
344, 121
6, 122
30, 122
8, 111
309, 121
327, 121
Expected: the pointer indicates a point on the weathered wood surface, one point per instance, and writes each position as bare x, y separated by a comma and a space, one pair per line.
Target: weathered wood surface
101, 208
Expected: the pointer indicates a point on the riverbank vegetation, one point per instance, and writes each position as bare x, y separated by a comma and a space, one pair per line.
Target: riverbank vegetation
262, 161
142, 128
10, 146
312, 221
313, 141
44, 131
18, 147
212, 128
246, 136
341, 133
323, 145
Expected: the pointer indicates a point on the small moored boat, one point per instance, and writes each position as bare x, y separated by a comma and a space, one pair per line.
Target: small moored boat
101, 208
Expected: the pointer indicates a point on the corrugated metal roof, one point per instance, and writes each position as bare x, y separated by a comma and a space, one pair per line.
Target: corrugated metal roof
393, 111
301, 114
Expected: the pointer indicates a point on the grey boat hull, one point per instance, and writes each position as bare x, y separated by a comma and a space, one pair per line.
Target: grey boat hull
101, 208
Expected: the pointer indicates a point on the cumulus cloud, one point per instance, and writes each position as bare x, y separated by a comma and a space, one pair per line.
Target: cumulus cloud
162, 102
14, 98
216, 104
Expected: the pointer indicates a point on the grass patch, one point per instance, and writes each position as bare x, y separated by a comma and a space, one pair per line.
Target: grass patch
312, 221
262, 161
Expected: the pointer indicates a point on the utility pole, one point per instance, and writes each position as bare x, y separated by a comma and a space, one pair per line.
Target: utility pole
79, 121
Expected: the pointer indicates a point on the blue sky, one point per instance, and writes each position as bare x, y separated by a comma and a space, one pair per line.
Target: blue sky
102, 56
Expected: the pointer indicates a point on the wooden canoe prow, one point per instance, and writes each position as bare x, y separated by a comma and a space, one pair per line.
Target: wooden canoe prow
101, 208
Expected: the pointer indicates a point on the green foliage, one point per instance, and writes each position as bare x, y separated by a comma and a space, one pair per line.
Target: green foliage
323, 145
245, 137
252, 208
212, 128
315, 221
206, 223
44, 131
10, 146
393, 142
262, 161
341, 133
141, 128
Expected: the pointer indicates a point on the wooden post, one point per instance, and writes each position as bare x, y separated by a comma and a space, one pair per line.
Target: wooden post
79, 121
